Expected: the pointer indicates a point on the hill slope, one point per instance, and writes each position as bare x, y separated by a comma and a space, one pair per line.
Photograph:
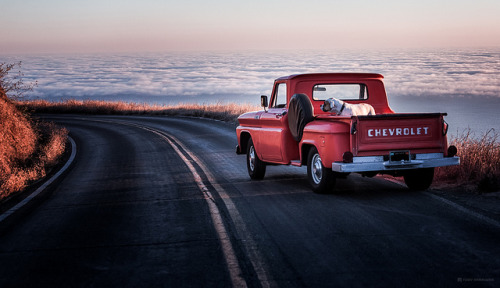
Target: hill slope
27, 149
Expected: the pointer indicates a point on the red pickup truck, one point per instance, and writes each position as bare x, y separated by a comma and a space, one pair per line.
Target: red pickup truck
296, 129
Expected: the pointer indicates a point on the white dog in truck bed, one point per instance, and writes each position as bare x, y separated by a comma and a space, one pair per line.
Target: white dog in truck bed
342, 108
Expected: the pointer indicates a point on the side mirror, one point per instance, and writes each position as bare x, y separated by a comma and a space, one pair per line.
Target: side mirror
263, 101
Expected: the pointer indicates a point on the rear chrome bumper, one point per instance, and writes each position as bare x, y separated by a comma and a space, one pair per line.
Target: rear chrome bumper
377, 163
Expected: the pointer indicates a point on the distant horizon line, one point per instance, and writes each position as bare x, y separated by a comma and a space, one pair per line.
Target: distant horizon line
250, 50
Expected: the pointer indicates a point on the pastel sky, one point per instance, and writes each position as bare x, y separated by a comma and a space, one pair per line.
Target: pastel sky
60, 26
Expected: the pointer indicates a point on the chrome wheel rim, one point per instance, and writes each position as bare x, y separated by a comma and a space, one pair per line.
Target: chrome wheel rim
251, 158
317, 169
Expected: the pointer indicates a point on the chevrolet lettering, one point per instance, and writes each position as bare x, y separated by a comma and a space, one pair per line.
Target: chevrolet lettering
384, 132
341, 123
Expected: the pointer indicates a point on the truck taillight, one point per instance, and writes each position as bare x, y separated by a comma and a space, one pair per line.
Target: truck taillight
452, 151
445, 127
347, 157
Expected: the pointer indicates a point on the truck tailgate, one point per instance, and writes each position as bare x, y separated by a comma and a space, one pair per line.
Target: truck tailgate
382, 134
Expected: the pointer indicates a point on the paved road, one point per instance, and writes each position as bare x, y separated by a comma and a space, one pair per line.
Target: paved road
166, 202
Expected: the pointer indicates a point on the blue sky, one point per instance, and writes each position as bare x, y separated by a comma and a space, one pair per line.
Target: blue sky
59, 26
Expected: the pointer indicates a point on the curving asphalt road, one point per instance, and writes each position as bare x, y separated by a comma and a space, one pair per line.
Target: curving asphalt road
166, 202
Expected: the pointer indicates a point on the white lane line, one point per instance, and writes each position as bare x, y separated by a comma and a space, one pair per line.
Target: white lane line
40, 189
254, 254
225, 241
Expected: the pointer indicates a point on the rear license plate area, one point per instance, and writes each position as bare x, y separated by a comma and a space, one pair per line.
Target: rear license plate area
399, 156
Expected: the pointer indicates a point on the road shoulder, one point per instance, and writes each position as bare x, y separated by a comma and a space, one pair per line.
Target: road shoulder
21, 203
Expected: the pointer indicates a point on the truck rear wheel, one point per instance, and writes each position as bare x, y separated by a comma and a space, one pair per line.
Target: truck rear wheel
419, 179
321, 178
256, 167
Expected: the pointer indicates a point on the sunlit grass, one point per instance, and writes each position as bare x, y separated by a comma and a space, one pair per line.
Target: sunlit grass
27, 149
225, 112
479, 161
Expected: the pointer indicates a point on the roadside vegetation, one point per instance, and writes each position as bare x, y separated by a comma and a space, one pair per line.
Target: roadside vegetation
28, 149
224, 112
479, 162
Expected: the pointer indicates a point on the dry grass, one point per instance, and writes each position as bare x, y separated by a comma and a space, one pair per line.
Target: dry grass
219, 111
27, 149
479, 161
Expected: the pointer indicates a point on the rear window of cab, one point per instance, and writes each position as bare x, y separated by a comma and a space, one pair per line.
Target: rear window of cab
340, 91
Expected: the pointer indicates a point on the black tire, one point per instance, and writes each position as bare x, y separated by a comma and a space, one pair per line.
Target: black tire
321, 178
256, 167
300, 112
419, 179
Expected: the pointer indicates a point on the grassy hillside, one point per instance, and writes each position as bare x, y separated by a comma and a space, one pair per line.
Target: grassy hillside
27, 149
479, 161
224, 112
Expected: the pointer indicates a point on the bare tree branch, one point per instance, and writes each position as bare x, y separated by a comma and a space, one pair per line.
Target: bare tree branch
12, 83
